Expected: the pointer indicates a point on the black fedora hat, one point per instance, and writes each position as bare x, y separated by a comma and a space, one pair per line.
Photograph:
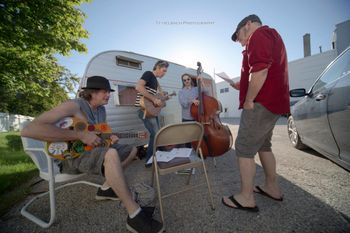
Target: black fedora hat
97, 82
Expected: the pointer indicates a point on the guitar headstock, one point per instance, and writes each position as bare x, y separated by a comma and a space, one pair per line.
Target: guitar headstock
165, 93
173, 93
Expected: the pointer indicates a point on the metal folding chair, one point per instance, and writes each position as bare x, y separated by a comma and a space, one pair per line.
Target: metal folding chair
178, 134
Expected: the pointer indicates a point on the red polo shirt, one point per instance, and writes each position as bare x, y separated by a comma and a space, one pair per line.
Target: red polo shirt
265, 49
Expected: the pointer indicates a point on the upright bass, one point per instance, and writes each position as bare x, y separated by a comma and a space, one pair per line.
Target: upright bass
217, 137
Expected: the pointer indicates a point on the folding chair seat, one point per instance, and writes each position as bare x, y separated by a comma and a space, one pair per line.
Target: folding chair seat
49, 171
175, 134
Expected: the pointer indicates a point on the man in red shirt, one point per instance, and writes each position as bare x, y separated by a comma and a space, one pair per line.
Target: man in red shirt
264, 96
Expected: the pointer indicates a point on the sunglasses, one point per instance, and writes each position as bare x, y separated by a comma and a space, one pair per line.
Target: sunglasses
186, 79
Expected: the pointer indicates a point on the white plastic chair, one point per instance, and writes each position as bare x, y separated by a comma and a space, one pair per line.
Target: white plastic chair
50, 172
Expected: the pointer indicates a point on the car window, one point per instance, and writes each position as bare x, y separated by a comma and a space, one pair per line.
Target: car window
339, 68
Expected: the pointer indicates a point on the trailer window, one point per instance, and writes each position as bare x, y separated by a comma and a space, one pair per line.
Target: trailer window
126, 95
129, 62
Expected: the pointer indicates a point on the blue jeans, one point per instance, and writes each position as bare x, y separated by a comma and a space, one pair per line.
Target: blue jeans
187, 145
152, 125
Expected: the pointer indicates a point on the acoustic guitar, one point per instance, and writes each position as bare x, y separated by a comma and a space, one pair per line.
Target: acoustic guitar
148, 107
73, 149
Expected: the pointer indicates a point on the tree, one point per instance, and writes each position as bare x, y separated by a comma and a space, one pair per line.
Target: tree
32, 32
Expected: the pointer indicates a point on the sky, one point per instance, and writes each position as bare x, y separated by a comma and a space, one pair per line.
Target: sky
185, 31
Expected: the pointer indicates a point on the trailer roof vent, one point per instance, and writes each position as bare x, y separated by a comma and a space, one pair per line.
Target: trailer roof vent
129, 62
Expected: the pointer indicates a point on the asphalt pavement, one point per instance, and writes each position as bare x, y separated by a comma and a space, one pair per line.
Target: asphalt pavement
316, 198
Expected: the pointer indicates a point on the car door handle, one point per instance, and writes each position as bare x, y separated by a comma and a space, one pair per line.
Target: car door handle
320, 97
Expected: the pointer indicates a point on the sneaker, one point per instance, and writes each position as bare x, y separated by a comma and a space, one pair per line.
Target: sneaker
143, 223
108, 194
148, 210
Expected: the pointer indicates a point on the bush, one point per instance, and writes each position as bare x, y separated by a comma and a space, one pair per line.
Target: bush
14, 142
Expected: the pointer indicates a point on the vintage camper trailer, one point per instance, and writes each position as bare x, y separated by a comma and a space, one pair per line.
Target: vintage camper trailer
123, 69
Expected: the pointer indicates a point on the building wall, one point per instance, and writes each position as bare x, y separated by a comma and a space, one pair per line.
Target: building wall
12, 122
303, 72
342, 34
229, 99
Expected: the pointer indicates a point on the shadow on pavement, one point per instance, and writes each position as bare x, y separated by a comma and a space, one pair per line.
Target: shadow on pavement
78, 211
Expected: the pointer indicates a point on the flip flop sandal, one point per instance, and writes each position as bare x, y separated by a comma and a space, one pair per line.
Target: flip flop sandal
239, 206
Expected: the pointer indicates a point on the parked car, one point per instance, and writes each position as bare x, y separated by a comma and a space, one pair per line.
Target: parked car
321, 119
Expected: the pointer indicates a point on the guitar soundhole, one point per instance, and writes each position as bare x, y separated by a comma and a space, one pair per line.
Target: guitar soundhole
80, 126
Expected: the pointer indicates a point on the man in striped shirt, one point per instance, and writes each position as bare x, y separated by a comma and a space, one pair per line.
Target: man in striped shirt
148, 87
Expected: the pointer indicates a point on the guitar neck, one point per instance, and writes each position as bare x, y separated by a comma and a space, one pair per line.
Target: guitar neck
120, 135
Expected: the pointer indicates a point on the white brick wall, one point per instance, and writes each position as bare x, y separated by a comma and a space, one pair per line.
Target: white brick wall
11, 122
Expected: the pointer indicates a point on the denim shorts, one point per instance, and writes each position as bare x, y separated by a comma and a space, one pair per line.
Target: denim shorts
255, 131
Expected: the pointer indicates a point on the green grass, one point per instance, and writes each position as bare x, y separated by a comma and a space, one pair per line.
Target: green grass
16, 169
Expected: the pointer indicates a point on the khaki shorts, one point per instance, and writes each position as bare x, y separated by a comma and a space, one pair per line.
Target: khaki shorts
255, 131
92, 161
